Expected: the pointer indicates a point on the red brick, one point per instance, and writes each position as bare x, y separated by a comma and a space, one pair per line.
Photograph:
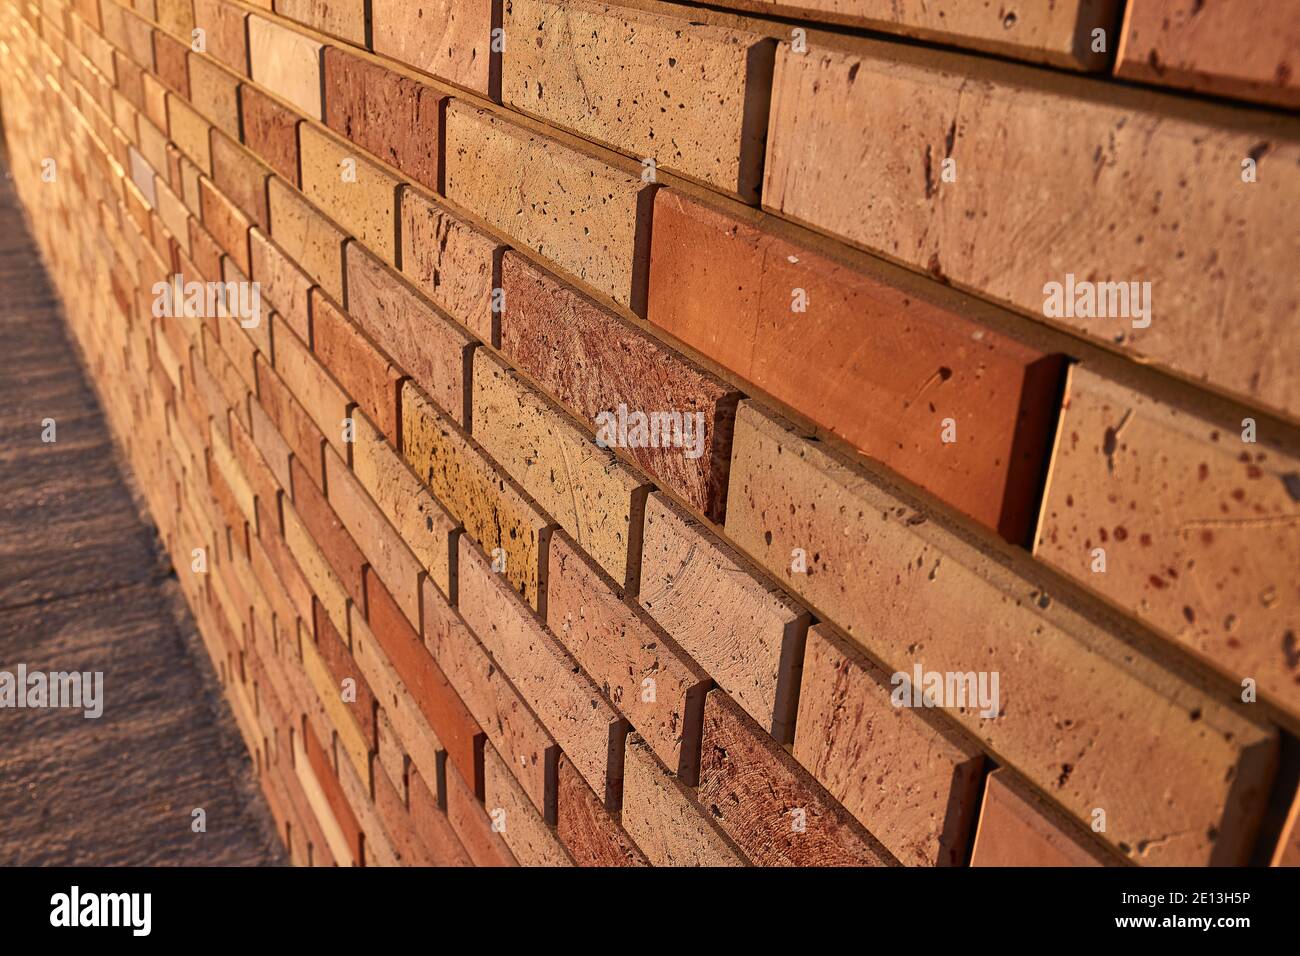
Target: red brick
355, 361
1018, 829
591, 361
328, 532
226, 223
386, 114
588, 831
271, 131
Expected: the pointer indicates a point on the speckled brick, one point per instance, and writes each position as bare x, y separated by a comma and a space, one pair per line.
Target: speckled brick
351, 190
340, 18
531, 841
363, 371
271, 131
1018, 829
449, 38
311, 240
215, 94
286, 63
588, 831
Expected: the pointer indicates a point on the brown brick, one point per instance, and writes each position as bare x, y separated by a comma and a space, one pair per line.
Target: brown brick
226, 223
584, 724
604, 72
908, 778
169, 62
769, 805
913, 594
451, 40
1199, 529
307, 237
433, 827
588, 831
240, 177
467, 816
522, 828
450, 261
468, 484
1019, 829
873, 358
591, 362
358, 365
386, 114
353, 191
1088, 162
286, 63
223, 25
429, 348
271, 131
589, 492
1247, 50
340, 18
590, 219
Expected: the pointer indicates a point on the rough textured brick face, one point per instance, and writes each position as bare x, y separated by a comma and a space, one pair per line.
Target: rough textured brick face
385, 113
1244, 49
907, 779
880, 127
767, 804
663, 818
308, 237
744, 632
915, 596
593, 362
588, 218
606, 72
224, 37
1017, 830
271, 131
451, 40
593, 496
860, 346
215, 94
451, 262
286, 63
364, 372
355, 193
341, 18
1200, 530
588, 831
522, 828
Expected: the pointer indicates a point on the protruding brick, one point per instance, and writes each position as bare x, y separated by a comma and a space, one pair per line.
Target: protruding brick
320, 395
226, 223
588, 831
451, 40
474, 829
281, 286
1019, 829
340, 18
364, 372
190, 132
271, 131
240, 176
223, 26
309, 239
531, 841
590, 219
603, 370
286, 63
353, 191
1199, 530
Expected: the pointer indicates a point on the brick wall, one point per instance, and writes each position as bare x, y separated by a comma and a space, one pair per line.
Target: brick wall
457, 629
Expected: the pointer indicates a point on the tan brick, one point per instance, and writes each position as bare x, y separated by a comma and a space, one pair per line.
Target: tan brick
359, 366
286, 63
354, 192
582, 721
1017, 828
743, 630
664, 819
315, 568
468, 484
215, 94
449, 38
590, 493
282, 286
908, 778
291, 421
340, 18
590, 219
451, 262
469, 819
431, 349
319, 394
914, 594
421, 522
878, 125
176, 16
351, 741
240, 176
607, 73
223, 24
307, 237
270, 131
190, 132
531, 841
1200, 530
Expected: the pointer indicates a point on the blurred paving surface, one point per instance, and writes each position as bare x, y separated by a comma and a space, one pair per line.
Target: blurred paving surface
84, 586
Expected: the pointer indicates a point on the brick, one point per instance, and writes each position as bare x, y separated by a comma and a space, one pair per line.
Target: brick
286, 63
274, 449
1247, 51
510, 725
590, 493
356, 363
469, 819
336, 545
433, 827
449, 40
307, 237
385, 551
270, 131
603, 72
1287, 852
176, 16
769, 805
190, 132
240, 177
429, 348
876, 359
592, 362
224, 34
389, 115
392, 755
910, 780
1018, 829
340, 18
283, 287
348, 739
588, 831
291, 421
436, 698
456, 265
662, 816
588, 218
215, 94
1204, 560
360, 197
228, 226
338, 659
315, 568
746, 633
918, 592
170, 65
644, 673
326, 797
320, 396
531, 841
128, 33
273, 554
410, 849
417, 517
467, 483
1087, 163
582, 721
